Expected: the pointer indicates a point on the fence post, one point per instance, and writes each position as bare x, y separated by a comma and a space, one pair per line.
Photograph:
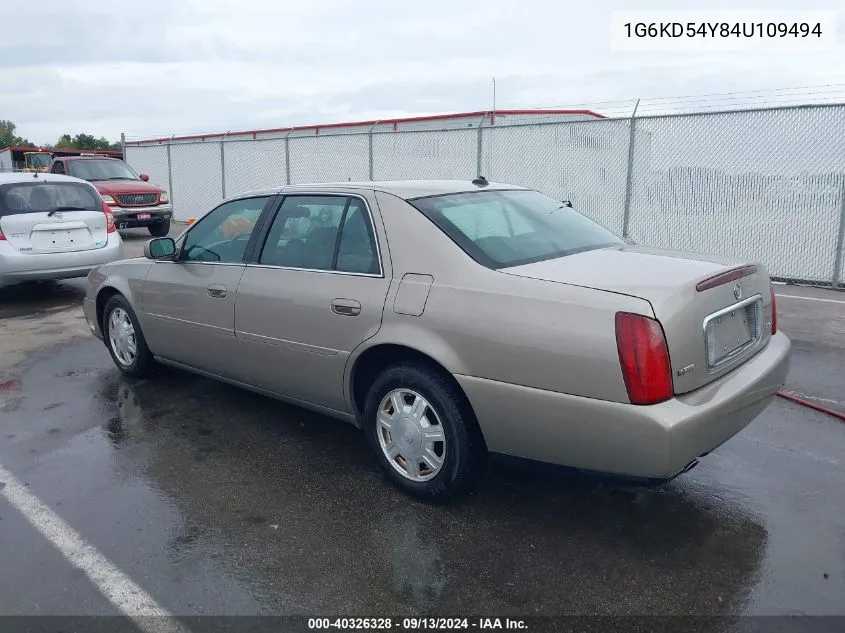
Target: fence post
170, 171
629, 180
223, 166
840, 240
123, 146
480, 146
370, 134
287, 155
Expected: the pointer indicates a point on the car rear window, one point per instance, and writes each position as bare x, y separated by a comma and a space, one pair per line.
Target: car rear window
31, 197
513, 227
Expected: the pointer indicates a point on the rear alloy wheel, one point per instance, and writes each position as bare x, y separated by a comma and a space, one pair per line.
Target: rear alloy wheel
410, 435
423, 432
159, 229
124, 338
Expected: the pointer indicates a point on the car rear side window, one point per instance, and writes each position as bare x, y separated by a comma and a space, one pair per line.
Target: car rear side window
39, 197
322, 233
513, 227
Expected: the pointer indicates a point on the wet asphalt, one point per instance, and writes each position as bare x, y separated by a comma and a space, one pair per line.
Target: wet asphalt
219, 501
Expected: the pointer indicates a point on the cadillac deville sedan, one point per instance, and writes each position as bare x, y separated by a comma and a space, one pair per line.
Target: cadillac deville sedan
449, 319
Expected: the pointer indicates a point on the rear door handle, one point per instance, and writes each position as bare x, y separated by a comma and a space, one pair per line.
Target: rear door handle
346, 307
217, 291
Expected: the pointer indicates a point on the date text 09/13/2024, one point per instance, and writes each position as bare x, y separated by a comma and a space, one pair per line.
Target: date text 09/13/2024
417, 624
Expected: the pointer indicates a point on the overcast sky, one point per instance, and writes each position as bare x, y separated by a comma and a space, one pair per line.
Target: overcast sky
162, 67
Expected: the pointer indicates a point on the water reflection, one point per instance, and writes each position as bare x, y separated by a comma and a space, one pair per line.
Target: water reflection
293, 505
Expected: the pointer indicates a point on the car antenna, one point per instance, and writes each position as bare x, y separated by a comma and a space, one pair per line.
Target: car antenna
481, 181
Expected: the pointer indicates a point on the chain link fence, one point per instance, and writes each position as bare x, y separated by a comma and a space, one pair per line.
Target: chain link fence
765, 185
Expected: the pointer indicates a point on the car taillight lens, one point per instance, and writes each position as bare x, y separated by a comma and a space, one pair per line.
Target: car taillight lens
110, 227
2, 237
774, 310
644, 358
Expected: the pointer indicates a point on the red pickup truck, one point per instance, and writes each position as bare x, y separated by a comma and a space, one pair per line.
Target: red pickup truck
134, 200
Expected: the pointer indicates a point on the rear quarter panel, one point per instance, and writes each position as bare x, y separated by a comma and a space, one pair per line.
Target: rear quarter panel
484, 323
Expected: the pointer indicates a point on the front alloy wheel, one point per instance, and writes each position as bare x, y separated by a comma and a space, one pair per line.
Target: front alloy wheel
122, 337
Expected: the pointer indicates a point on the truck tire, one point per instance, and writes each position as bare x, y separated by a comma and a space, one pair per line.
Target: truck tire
159, 229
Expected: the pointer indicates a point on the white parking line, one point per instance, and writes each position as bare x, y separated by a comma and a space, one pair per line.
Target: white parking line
809, 298
116, 586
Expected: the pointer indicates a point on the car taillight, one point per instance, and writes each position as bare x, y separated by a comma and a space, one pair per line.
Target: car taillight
110, 227
774, 310
644, 358
2, 237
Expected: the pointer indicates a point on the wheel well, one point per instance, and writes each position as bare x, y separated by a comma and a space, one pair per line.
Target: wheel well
102, 299
376, 359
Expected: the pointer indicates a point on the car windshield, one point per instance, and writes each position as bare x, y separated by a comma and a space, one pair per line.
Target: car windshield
50, 196
38, 160
103, 169
508, 228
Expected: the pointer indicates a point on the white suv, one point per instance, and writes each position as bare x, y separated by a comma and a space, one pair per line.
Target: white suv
53, 227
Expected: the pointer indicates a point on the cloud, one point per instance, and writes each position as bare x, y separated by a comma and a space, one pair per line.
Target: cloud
164, 67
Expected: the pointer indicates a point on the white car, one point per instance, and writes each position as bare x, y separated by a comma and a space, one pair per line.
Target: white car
53, 227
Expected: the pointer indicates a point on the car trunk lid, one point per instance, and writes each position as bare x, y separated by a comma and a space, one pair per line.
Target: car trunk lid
68, 231
715, 311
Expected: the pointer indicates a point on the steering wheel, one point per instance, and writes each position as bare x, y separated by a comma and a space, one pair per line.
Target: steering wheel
201, 254
242, 236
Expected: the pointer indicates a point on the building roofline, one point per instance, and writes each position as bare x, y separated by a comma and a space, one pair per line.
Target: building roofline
71, 150
396, 121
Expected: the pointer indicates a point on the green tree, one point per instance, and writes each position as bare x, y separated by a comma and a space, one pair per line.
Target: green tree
85, 141
65, 141
9, 138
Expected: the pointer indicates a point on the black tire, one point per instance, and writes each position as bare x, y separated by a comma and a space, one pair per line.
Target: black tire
464, 446
143, 363
159, 229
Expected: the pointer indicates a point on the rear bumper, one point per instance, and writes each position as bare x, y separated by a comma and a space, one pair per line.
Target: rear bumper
17, 267
651, 442
127, 217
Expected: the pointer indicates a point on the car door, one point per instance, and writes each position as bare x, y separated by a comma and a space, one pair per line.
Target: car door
315, 291
189, 303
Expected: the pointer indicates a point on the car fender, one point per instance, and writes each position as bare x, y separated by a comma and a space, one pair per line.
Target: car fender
114, 279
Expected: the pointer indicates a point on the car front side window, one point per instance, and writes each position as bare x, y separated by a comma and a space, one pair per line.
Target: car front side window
222, 235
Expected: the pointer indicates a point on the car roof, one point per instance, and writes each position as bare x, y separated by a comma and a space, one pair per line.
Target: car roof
24, 177
405, 189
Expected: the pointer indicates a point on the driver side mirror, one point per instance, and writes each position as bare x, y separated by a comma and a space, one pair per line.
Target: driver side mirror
160, 248
145, 178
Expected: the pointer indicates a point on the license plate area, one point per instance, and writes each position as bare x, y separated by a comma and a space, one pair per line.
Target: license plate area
143, 216
59, 238
733, 332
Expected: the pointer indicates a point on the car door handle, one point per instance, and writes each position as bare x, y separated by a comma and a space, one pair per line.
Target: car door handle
217, 291
346, 307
